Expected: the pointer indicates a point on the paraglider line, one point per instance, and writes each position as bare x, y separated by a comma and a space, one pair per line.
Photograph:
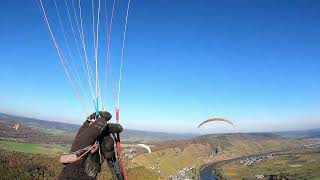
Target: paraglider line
68, 48
60, 57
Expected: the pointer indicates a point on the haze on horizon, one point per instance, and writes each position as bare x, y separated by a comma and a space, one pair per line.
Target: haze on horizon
253, 62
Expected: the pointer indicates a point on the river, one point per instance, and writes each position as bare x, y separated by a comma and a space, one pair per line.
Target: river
206, 170
206, 173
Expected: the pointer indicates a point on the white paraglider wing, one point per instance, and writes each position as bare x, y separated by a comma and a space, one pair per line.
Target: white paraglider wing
145, 147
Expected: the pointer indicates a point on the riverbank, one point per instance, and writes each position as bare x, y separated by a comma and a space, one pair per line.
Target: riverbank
213, 170
206, 172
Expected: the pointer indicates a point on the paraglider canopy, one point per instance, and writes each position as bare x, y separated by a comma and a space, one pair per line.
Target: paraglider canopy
15, 126
216, 119
145, 147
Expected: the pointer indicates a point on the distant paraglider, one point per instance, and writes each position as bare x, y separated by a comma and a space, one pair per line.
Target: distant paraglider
215, 119
15, 126
145, 147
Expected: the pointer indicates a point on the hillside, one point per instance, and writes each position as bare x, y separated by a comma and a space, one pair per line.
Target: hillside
36, 130
18, 165
169, 157
172, 154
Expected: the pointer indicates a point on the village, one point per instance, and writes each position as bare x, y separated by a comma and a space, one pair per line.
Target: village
250, 160
258, 158
182, 174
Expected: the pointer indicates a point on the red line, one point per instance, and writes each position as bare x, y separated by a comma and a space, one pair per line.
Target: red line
121, 161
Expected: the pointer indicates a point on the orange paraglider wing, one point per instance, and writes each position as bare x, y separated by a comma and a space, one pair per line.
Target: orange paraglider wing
215, 119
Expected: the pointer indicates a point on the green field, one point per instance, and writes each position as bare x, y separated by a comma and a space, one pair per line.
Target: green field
48, 149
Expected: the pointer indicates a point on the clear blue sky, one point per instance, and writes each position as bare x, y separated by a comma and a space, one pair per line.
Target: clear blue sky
256, 63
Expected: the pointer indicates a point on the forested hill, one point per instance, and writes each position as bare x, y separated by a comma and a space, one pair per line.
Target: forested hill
33, 122
38, 128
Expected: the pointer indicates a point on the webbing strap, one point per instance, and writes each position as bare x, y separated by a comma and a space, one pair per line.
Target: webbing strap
72, 157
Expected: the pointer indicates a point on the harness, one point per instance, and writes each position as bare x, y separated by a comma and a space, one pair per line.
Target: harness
77, 155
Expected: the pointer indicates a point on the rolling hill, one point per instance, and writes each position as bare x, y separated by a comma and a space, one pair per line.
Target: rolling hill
170, 152
169, 157
31, 128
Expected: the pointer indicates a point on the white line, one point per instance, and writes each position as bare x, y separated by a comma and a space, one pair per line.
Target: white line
122, 52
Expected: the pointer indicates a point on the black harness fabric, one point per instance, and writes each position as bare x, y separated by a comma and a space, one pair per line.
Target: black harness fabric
90, 165
86, 136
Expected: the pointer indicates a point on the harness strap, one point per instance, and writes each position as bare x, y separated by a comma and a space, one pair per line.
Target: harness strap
72, 157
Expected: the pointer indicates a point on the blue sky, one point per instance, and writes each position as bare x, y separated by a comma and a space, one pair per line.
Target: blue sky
254, 62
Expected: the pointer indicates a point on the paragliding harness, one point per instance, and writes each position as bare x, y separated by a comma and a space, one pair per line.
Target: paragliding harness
117, 165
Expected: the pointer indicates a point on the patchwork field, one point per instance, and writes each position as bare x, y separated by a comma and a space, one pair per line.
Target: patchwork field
46, 149
294, 166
